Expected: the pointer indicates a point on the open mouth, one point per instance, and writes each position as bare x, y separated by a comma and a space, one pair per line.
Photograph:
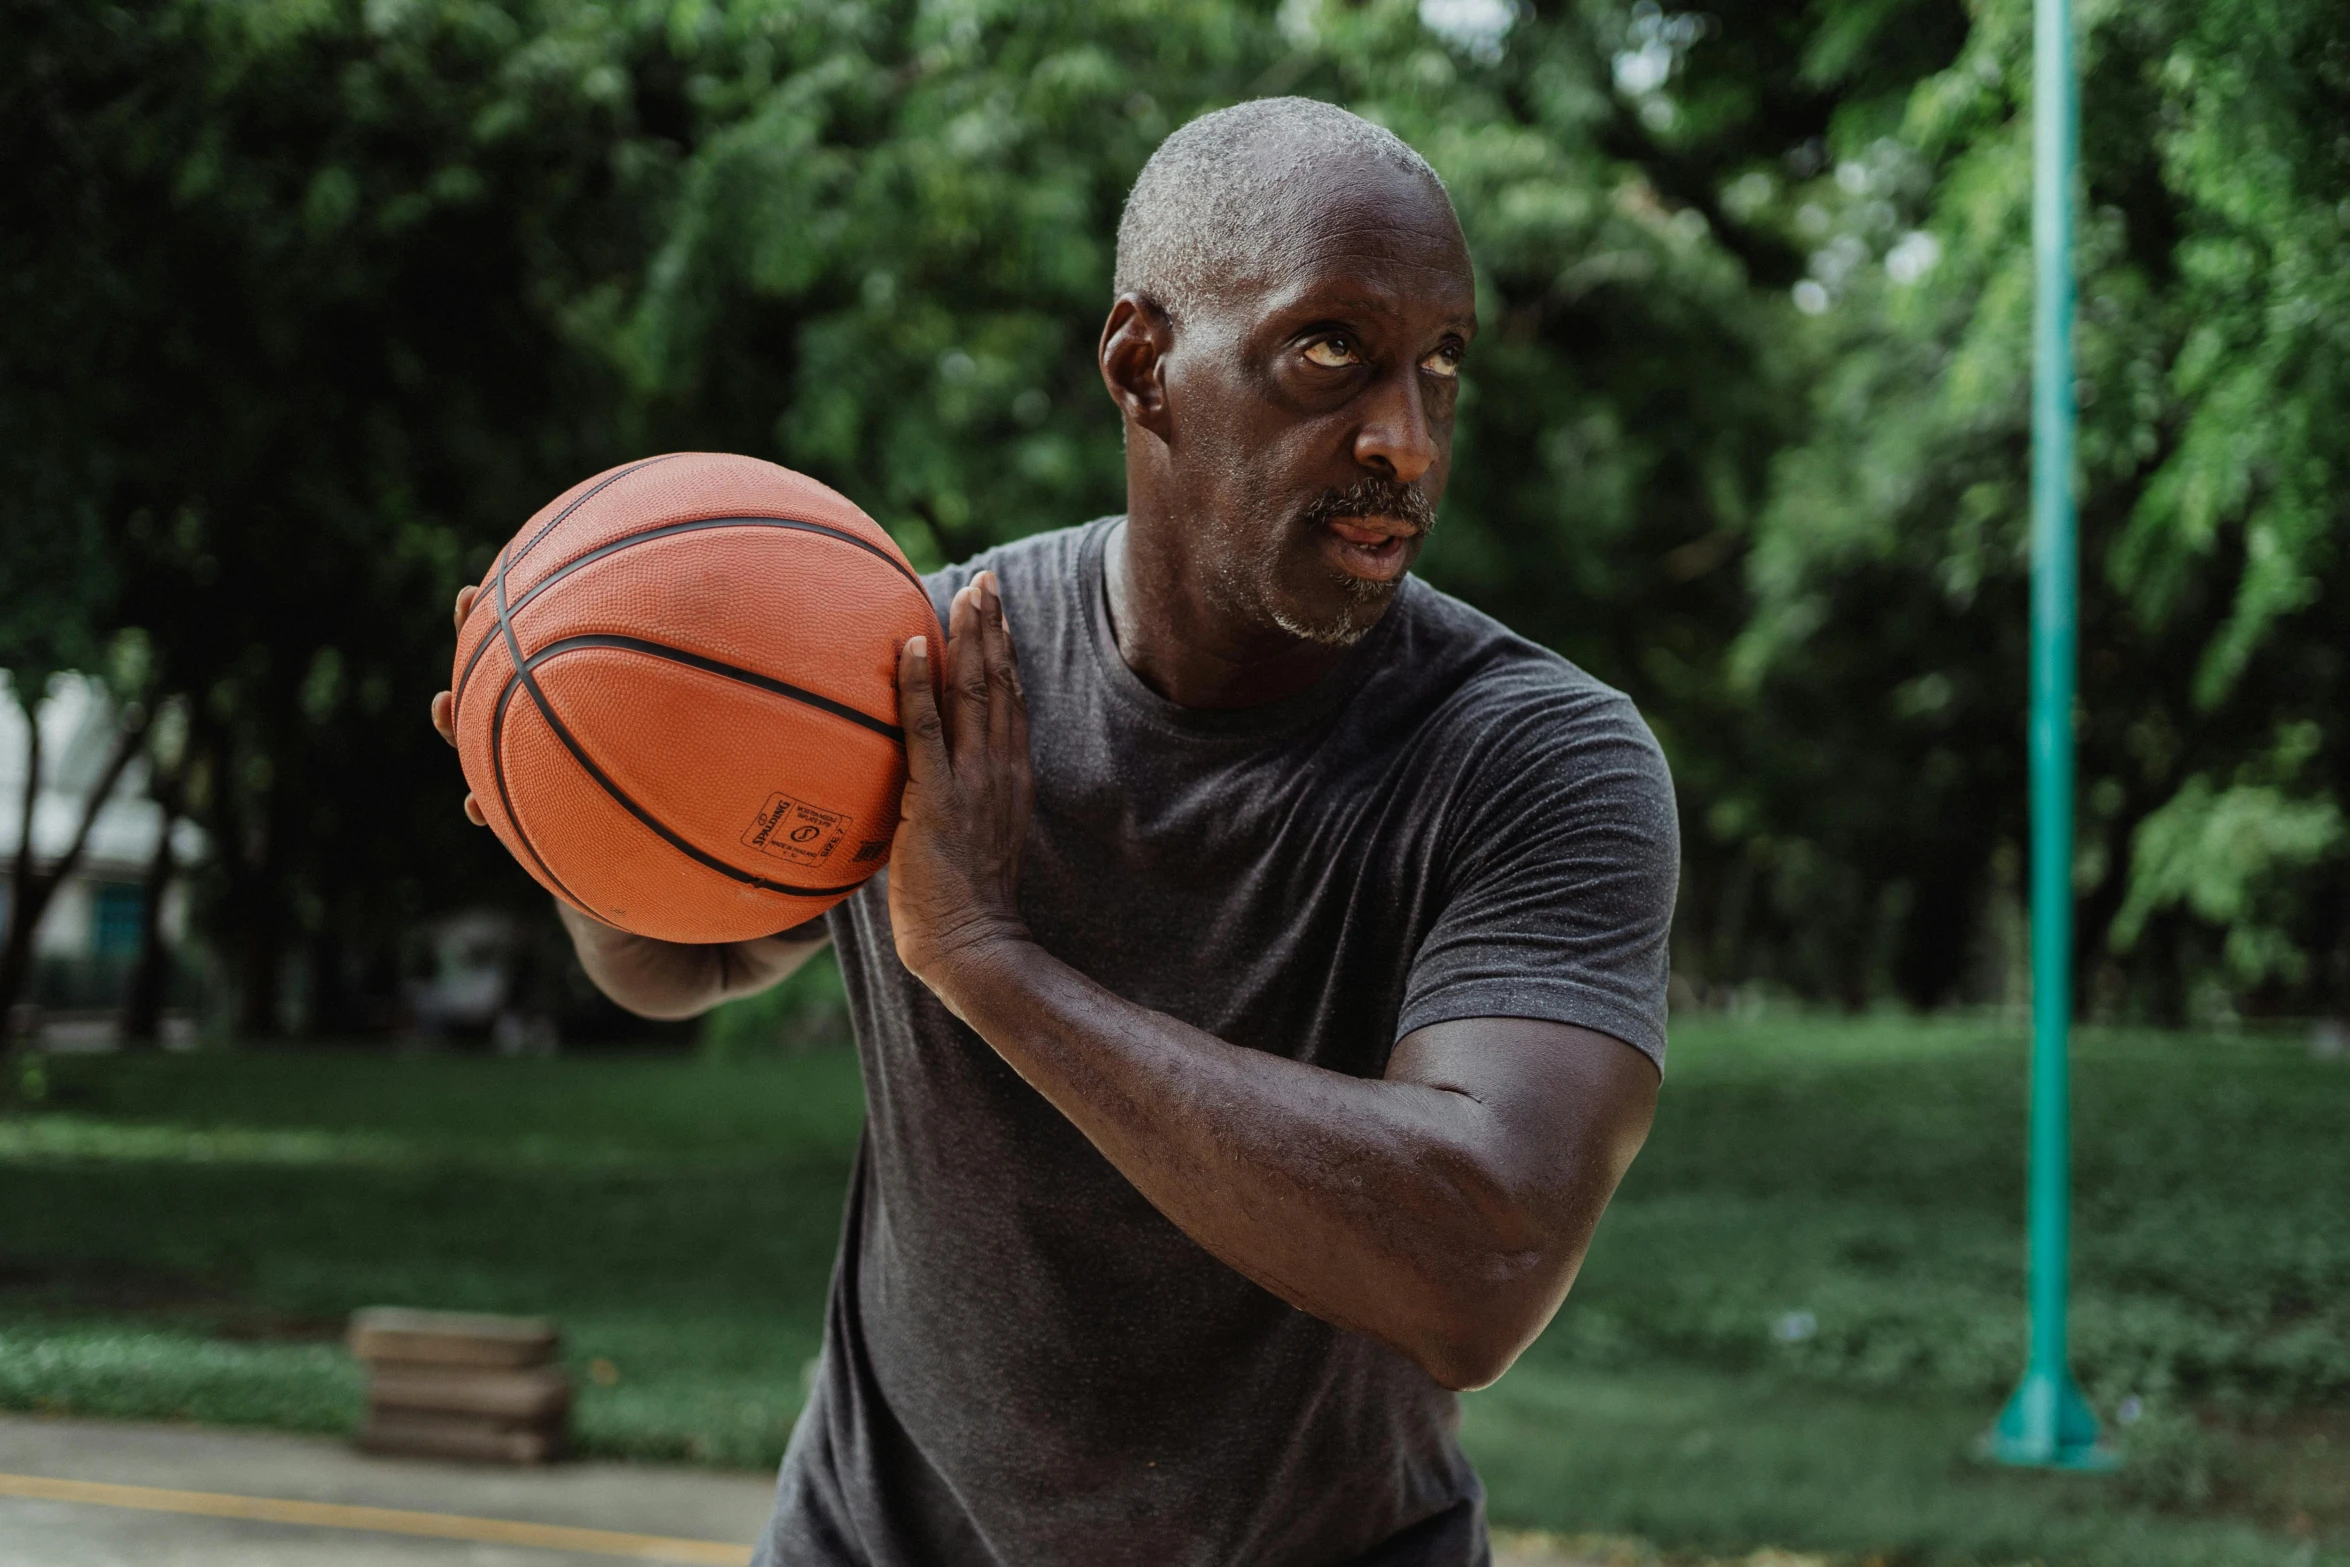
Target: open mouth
1376, 549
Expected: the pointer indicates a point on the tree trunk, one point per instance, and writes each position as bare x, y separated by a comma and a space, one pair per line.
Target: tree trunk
330, 1013
261, 934
142, 1012
262, 977
31, 888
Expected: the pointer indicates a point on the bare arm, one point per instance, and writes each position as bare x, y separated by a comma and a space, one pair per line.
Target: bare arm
657, 979
670, 979
1442, 1209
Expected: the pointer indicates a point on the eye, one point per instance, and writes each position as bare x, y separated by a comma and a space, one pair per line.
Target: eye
1333, 353
1445, 362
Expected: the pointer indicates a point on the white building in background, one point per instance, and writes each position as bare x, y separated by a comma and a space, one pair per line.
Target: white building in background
96, 914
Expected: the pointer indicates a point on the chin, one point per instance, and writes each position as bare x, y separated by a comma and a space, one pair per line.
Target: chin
1341, 614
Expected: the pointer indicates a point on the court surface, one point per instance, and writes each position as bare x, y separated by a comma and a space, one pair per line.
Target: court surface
76, 1493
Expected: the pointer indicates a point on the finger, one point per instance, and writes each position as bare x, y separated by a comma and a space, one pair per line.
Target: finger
966, 678
1011, 650
1002, 694
945, 652
1018, 704
926, 750
473, 812
465, 597
1016, 740
444, 715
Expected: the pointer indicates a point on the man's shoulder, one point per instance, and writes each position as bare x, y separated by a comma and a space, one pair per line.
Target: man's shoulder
1026, 566
1512, 694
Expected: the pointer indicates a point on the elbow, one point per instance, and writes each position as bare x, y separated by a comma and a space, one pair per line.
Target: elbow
1490, 1319
658, 994
1465, 1368
660, 1011
656, 997
1474, 1354
1492, 1274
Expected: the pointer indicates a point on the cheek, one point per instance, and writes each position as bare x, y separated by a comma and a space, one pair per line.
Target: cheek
1255, 471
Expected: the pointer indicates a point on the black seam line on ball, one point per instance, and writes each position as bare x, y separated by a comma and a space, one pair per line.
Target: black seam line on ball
678, 655
523, 673
666, 530
604, 780
553, 522
522, 834
600, 486
506, 797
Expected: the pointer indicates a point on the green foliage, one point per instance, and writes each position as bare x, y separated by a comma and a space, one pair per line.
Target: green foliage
1705, 1462
369, 282
1841, 1203
55, 577
2217, 853
128, 1371
308, 304
679, 1219
1889, 568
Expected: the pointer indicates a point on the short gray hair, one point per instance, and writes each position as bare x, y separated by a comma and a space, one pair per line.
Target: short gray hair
1212, 194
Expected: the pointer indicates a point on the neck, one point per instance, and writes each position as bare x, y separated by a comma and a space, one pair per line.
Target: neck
1186, 646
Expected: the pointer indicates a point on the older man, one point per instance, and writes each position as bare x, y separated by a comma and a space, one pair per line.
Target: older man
1267, 989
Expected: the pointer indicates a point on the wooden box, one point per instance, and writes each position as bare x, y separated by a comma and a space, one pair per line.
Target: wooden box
459, 1385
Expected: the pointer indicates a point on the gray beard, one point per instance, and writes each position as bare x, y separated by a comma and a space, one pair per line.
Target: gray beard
1244, 584
1352, 629
1244, 580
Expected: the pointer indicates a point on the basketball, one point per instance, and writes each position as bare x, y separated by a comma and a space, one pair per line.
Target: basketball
676, 696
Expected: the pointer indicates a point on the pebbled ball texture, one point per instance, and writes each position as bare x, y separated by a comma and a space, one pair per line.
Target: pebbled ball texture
702, 742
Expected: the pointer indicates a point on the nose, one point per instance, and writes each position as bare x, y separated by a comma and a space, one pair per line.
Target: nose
1396, 438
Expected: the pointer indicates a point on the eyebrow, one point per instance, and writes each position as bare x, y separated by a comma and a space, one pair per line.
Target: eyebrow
1358, 304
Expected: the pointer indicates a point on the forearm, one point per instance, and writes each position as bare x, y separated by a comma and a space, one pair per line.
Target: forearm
668, 979
1373, 1204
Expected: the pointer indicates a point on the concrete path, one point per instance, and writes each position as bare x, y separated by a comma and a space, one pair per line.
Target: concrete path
120, 1495
87, 1493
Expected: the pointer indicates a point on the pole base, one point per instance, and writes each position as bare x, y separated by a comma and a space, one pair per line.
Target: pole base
2047, 1424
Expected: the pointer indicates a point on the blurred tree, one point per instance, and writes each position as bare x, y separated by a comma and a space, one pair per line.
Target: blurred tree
380, 278
311, 303
1890, 571
57, 579
319, 359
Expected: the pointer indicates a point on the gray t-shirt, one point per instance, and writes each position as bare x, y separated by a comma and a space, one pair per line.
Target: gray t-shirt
1025, 1364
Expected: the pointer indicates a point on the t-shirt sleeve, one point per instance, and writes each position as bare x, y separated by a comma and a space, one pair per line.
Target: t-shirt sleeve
1562, 859
944, 583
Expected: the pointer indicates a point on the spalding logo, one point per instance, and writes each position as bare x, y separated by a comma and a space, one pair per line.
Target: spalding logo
792, 830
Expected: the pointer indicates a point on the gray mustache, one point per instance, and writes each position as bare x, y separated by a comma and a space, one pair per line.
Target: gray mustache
1372, 498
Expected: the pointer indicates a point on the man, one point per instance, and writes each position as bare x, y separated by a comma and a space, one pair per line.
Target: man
1266, 991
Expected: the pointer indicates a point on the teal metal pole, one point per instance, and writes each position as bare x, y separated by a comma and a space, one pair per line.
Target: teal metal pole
2047, 1422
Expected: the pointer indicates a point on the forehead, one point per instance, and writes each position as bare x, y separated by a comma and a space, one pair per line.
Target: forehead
1360, 236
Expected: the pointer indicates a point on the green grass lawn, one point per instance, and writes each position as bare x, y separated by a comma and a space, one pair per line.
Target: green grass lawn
1801, 1308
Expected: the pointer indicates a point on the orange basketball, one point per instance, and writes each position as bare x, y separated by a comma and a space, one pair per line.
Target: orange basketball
676, 696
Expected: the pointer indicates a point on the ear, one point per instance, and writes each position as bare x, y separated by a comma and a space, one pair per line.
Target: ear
1136, 341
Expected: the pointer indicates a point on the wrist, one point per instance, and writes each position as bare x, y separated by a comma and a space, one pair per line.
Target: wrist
976, 955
